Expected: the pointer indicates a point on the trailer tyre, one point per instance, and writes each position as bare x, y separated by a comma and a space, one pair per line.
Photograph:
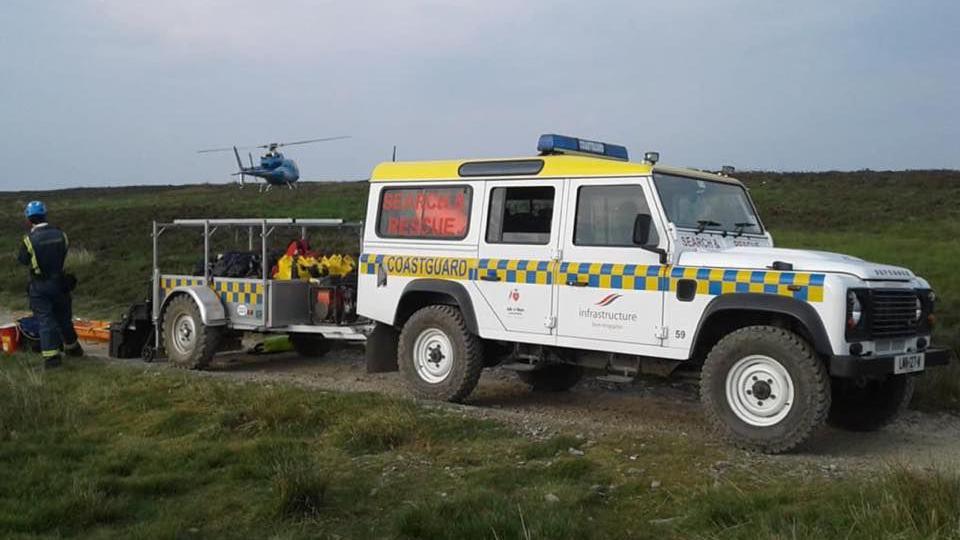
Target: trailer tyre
189, 343
310, 345
763, 388
552, 377
869, 404
439, 357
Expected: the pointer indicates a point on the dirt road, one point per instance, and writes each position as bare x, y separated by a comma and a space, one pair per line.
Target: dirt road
598, 409
595, 409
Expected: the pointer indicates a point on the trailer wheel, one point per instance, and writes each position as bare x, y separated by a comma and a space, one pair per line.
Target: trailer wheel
764, 388
310, 345
439, 357
869, 404
552, 377
189, 343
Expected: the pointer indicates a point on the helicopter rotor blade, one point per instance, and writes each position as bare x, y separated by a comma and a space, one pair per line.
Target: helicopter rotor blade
323, 139
228, 149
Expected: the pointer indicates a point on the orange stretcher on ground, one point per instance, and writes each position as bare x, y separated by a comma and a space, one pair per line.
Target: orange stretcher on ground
92, 330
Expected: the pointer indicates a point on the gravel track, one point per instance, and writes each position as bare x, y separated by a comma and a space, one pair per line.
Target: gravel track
649, 406
594, 409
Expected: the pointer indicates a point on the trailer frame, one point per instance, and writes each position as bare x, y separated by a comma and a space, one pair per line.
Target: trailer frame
261, 304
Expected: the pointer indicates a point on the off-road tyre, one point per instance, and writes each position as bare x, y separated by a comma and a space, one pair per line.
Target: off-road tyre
197, 353
310, 345
552, 377
466, 348
869, 404
807, 372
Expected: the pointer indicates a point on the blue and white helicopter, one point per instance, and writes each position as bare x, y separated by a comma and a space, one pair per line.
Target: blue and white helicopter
274, 169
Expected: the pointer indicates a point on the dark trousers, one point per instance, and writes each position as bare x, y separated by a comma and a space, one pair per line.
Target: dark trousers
53, 308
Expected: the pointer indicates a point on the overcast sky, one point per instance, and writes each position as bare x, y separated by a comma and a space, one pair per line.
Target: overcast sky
112, 92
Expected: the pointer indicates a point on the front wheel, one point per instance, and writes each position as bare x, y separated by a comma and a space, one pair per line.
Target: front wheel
440, 359
764, 388
869, 404
189, 343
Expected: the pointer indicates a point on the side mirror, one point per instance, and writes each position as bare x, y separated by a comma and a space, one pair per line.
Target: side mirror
643, 231
642, 225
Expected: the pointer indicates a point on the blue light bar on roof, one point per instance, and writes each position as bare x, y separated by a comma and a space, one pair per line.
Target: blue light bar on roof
562, 144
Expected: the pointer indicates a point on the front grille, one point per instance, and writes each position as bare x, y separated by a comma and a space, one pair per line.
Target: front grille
892, 313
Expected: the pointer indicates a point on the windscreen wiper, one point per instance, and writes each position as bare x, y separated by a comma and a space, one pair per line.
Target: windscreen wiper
742, 225
704, 223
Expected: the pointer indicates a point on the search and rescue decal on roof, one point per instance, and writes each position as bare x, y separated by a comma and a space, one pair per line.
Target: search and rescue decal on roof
709, 281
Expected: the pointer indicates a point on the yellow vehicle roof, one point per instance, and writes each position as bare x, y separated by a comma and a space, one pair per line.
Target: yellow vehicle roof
554, 166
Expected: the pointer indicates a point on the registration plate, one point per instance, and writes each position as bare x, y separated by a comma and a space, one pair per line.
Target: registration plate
908, 363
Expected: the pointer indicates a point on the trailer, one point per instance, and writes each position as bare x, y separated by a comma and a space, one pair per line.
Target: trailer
194, 314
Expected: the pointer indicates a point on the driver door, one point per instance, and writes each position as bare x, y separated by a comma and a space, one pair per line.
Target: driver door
609, 288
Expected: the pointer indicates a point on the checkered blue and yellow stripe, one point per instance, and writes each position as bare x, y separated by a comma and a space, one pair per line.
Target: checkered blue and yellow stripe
172, 282
634, 277
230, 290
517, 270
715, 281
239, 292
709, 281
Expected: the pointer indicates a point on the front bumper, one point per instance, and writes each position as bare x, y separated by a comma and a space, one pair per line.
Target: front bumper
860, 366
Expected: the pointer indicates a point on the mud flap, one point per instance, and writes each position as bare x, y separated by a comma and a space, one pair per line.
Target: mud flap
381, 350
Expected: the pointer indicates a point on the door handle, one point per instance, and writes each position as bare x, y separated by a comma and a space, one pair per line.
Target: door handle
490, 277
573, 283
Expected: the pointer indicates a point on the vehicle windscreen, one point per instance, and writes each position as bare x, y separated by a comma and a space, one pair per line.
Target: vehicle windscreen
698, 204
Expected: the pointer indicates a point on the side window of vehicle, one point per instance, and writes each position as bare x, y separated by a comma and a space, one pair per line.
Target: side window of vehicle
520, 215
435, 212
606, 215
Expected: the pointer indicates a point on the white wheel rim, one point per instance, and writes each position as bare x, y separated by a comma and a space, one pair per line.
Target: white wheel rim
184, 333
760, 390
433, 355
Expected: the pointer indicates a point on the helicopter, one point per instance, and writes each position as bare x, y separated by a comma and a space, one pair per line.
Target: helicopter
274, 169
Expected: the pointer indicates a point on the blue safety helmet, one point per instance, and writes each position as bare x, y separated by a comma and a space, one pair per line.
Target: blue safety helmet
34, 209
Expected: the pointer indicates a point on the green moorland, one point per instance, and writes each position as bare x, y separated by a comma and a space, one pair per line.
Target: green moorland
909, 218
103, 450
109, 451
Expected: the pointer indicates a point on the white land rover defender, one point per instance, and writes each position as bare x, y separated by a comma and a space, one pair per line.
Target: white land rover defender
577, 259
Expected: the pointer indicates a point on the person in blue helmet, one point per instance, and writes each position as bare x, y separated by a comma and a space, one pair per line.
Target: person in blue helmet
44, 250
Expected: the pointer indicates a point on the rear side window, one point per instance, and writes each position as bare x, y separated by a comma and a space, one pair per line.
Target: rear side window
520, 215
425, 212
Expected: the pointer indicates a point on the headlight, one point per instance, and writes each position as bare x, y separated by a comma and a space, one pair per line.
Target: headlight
854, 310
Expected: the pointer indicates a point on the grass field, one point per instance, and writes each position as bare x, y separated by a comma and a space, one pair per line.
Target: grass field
909, 218
99, 450
106, 451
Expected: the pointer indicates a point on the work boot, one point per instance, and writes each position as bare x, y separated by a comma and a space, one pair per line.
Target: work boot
52, 362
74, 350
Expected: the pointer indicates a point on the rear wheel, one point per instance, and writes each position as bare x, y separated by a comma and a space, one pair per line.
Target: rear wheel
439, 357
869, 404
552, 377
310, 345
189, 343
764, 388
